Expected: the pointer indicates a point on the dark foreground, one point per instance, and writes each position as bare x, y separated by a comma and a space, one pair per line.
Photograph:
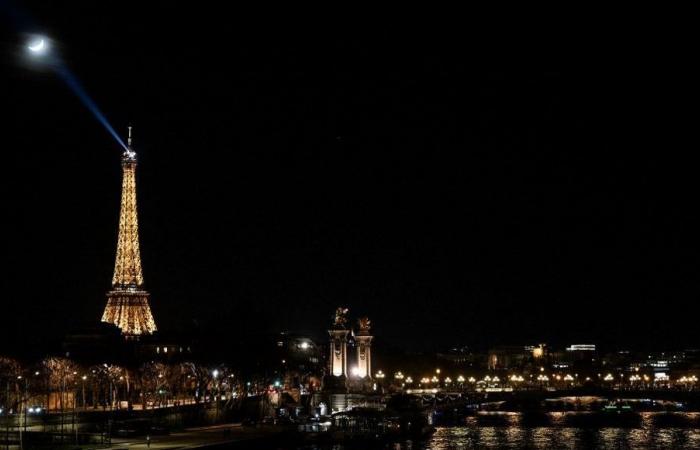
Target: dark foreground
515, 431
483, 430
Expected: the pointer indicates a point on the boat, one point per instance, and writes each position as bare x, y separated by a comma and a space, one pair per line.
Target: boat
367, 424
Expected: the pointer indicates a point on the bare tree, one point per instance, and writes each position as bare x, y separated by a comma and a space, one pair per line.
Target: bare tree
60, 375
154, 382
10, 370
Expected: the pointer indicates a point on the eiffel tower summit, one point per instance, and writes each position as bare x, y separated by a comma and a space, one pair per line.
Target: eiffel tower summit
127, 302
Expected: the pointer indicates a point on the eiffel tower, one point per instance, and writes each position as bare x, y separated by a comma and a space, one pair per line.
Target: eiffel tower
127, 302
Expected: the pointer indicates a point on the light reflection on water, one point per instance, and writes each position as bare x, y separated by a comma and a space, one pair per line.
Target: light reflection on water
561, 438
513, 434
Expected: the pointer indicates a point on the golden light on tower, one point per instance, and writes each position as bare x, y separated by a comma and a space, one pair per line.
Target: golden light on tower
127, 302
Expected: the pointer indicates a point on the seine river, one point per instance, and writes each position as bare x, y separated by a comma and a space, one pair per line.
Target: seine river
513, 434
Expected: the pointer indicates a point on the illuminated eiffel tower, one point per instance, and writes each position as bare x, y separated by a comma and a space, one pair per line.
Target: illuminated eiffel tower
127, 302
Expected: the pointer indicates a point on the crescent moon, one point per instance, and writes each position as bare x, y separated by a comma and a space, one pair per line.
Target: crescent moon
39, 46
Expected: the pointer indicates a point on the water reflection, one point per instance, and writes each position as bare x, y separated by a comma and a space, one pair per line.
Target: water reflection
512, 431
561, 438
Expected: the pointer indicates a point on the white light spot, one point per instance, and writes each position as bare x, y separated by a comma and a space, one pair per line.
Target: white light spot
37, 46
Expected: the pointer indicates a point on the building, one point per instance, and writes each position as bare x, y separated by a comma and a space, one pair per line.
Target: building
578, 357
516, 357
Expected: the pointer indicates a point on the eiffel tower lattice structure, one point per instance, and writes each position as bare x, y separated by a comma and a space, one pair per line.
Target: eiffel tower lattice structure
127, 301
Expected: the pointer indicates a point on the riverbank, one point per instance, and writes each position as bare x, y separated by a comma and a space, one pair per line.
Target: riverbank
213, 437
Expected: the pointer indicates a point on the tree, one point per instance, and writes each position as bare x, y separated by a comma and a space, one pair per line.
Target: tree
10, 369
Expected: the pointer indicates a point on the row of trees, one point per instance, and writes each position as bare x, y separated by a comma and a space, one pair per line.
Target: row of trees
57, 383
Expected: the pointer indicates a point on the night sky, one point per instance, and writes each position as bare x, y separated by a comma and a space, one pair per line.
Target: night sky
454, 199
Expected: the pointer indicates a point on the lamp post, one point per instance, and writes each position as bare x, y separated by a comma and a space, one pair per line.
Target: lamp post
380, 378
215, 375
83, 378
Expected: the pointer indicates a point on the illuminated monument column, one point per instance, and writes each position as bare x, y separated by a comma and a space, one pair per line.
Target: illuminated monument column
339, 344
363, 340
127, 302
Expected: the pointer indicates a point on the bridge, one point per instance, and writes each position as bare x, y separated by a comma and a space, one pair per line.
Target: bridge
440, 398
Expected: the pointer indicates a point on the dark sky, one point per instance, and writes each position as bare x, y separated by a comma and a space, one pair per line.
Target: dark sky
455, 199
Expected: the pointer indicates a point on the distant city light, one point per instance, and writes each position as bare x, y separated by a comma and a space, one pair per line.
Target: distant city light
660, 376
581, 348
